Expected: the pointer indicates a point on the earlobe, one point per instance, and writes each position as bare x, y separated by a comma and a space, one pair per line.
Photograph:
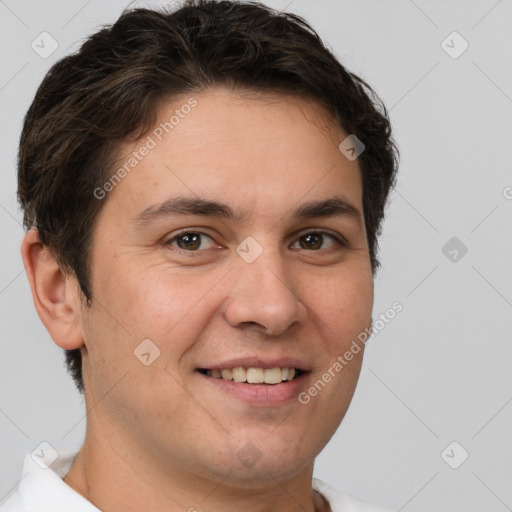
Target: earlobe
55, 293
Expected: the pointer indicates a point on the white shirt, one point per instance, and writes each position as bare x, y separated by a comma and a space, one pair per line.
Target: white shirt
41, 489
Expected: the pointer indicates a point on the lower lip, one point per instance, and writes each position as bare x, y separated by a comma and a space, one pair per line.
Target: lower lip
260, 394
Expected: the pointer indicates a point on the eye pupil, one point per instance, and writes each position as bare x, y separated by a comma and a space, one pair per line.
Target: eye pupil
192, 239
309, 237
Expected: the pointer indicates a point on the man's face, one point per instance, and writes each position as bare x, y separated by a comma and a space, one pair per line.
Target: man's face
250, 292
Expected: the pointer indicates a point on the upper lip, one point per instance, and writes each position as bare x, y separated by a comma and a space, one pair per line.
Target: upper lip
259, 362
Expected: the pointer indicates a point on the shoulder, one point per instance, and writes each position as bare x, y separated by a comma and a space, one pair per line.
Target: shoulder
343, 502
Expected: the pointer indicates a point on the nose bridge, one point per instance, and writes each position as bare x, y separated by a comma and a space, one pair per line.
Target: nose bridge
263, 291
261, 262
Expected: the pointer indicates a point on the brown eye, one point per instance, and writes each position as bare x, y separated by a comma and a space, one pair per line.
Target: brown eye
188, 240
314, 240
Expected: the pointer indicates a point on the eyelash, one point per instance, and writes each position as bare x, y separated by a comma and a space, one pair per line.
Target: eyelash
338, 239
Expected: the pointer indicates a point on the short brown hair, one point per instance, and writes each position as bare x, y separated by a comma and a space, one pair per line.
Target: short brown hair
109, 91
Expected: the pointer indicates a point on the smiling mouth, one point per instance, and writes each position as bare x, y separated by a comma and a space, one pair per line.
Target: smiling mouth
254, 375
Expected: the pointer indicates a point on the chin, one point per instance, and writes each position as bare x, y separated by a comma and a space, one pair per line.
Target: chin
257, 462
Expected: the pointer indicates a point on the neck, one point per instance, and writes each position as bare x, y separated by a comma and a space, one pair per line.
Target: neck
115, 479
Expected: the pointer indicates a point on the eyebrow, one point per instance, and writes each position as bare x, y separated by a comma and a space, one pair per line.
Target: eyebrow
337, 206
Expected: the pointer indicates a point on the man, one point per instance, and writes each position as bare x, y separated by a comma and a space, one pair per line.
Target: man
203, 191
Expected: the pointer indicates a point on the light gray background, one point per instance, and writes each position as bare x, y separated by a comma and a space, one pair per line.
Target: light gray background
440, 371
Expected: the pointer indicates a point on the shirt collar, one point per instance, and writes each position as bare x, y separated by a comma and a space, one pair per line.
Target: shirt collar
41, 488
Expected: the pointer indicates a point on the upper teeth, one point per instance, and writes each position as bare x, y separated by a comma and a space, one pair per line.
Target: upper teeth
253, 375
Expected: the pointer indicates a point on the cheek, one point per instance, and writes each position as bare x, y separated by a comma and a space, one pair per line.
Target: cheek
344, 304
165, 303
164, 307
168, 308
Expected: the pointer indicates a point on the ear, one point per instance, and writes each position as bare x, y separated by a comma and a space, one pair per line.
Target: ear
56, 294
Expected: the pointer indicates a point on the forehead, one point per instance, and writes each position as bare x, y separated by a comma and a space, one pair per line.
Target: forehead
255, 150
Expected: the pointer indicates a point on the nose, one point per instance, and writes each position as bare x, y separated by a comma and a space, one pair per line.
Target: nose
264, 294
